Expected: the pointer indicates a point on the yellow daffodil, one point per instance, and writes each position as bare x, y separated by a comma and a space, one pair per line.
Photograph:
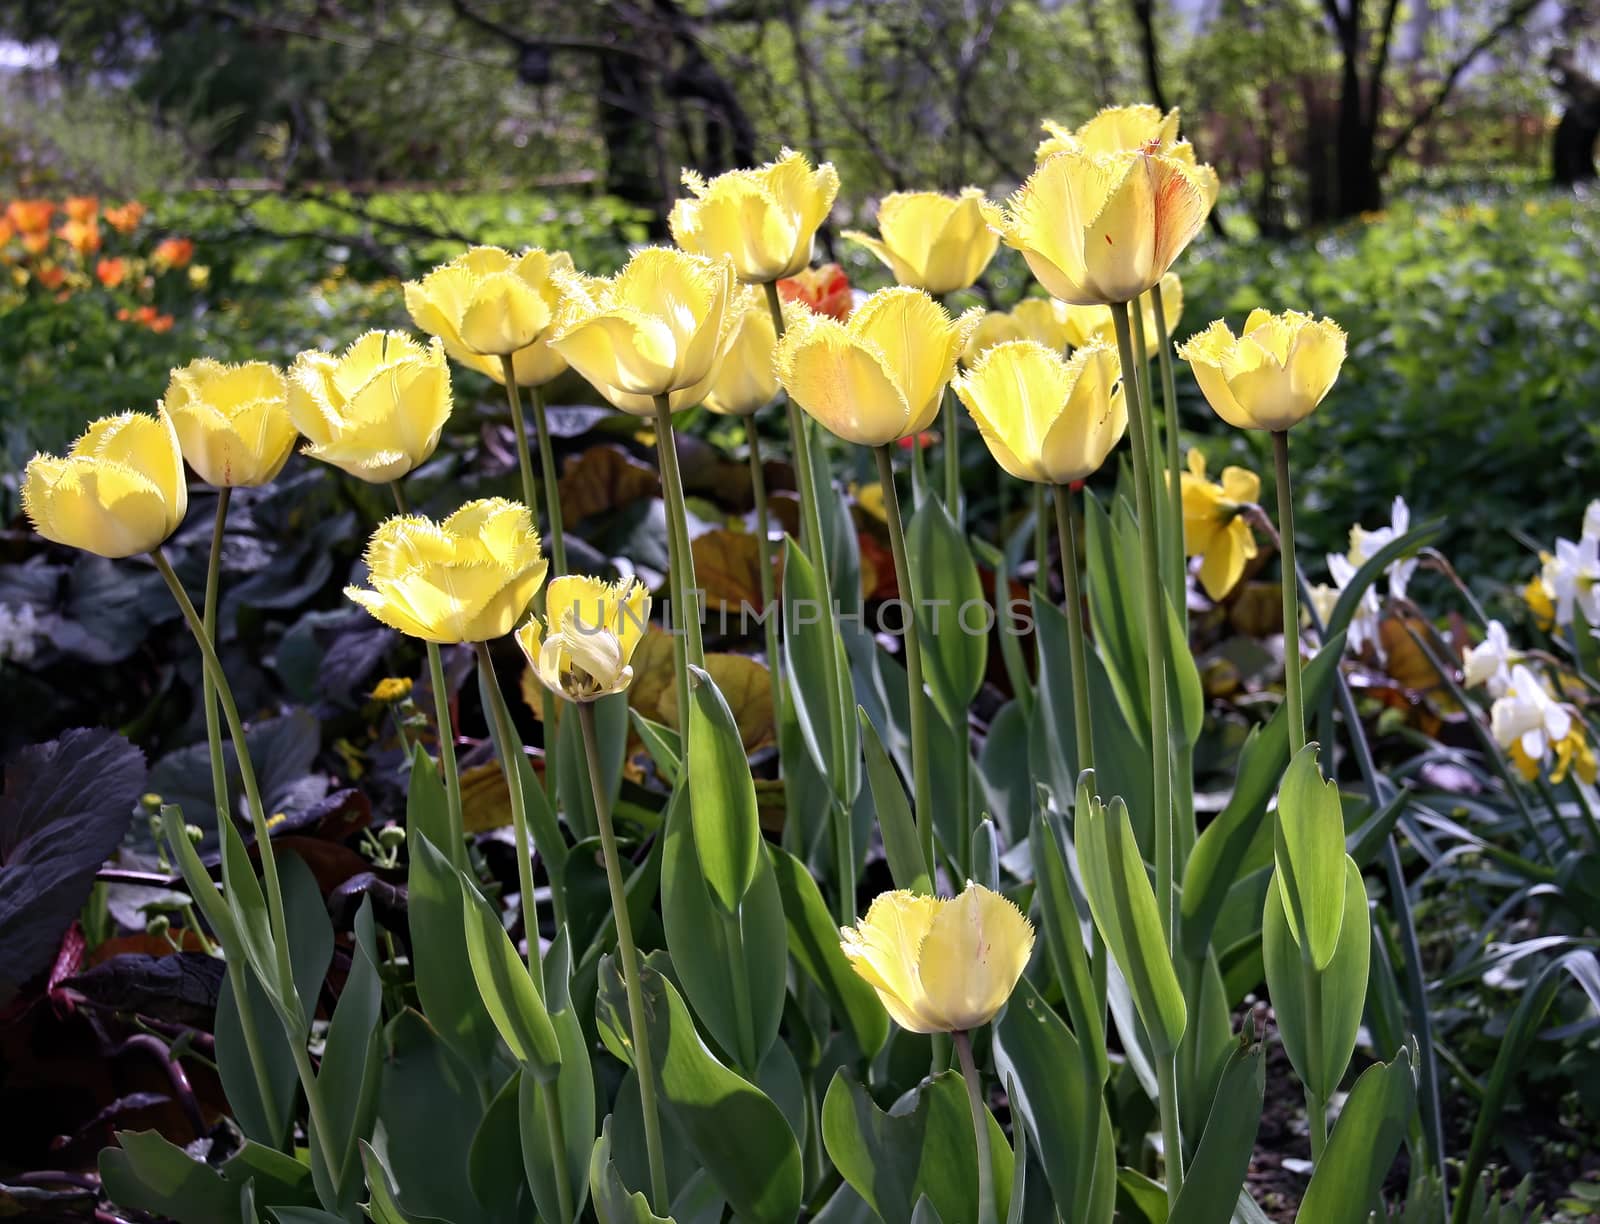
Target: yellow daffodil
487, 303
879, 376
1213, 527
762, 219
120, 490
747, 382
377, 409
1130, 129
940, 965
1273, 375
1538, 598
935, 242
583, 648
232, 422
1098, 228
661, 326
1045, 418
467, 579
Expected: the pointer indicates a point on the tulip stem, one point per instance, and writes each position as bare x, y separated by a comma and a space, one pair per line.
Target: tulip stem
1178, 588
758, 487
1171, 1128
520, 428
917, 699
1152, 442
1041, 540
277, 924
447, 756
219, 787
811, 542
1291, 603
552, 485
1316, 1107
1155, 624
643, 1060
987, 1212
1078, 653
688, 645
952, 455
506, 743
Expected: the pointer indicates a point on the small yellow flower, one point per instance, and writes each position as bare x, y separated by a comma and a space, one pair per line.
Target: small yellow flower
486, 304
934, 242
1213, 527
392, 689
1573, 753
940, 965
661, 326
377, 409
467, 579
120, 490
232, 422
583, 649
1537, 596
1045, 418
1274, 374
747, 382
879, 376
1101, 228
762, 219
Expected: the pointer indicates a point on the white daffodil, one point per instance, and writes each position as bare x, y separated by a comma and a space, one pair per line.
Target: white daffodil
1528, 717
1490, 661
1364, 624
1365, 544
1571, 575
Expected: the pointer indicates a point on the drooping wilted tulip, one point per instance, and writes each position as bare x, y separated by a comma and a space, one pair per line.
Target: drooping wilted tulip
940, 965
762, 219
661, 326
232, 421
467, 579
1100, 228
120, 490
935, 242
377, 409
1045, 418
879, 376
582, 648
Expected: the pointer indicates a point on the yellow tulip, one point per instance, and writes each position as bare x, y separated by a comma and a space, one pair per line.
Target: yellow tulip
661, 326
487, 303
1130, 129
1213, 527
746, 382
1045, 418
880, 375
467, 579
1047, 321
583, 647
377, 409
1274, 374
232, 422
996, 327
935, 242
940, 965
1087, 324
1099, 228
120, 490
762, 219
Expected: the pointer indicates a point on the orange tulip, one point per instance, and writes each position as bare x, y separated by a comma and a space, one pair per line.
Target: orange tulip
82, 236
110, 272
81, 208
126, 217
30, 216
173, 253
825, 290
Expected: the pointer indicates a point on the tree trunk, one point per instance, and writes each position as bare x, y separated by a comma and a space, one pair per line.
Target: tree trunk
1357, 187
1572, 148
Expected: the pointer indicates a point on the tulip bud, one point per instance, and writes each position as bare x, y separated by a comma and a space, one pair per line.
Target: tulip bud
746, 382
763, 219
935, 242
1273, 375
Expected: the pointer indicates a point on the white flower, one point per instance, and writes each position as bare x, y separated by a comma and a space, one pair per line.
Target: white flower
1365, 544
1591, 520
1490, 661
1322, 598
1572, 576
19, 633
1364, 624
1528, 715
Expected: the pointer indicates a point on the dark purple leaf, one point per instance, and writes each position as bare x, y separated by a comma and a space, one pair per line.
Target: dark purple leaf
181, 987
66, 806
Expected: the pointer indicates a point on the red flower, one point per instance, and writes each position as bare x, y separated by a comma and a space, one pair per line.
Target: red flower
825, 290
921, 441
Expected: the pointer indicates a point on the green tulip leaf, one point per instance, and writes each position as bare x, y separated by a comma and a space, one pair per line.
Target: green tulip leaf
722, 795
614, 1203
907, 868
514, 1002
952, 613
1344, 1188
1222, 1158
1309, 855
